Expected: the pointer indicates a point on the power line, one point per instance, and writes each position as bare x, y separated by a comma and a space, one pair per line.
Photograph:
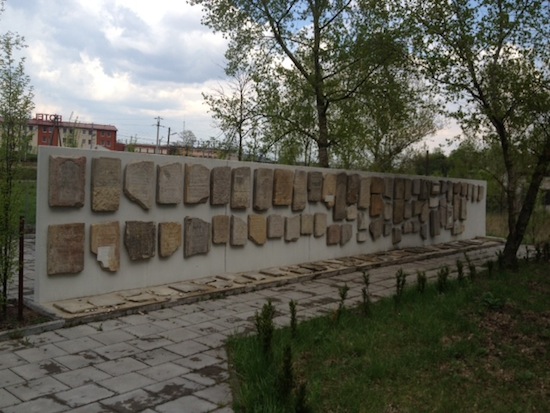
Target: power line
158, 118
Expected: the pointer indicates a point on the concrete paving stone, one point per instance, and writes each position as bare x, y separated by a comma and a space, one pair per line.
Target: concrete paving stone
7, 399
171, 323
82, 330
218, 394
165, 371
113, 337
108, 325
209, 375
186, 404
78, 344
225, 409
82, 359
179, 334
116, 351
163, 314
45, 404
218, 353
126, 382
156, 356
32, 389
131, 402
40, 353
187, 348
142, 330
212, 340
8, 378
206, 328
150, 342
197, 361
45, 338
82, 395
121, 366
96, 408
9, 359
188, 308
39, 369
79, 377
135, 319
196, 318
173, 388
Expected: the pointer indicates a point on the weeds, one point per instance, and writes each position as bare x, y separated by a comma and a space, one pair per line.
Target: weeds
343, 293
471, 268
400, 279
421, 281
459, 271
442, 279
265, 327
293, 320
365, 293
285, 383
490, 265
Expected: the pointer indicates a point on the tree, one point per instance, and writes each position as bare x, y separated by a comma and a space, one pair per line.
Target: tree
308, 55
15, 110
491, 58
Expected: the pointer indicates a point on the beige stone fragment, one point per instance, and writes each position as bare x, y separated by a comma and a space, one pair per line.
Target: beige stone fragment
362, 221
329, 190
197, 237
364, 193
375, 228
480, 193
362, 236
283, 184
340, 204
396, 235
220, 229
319, 224
351, 212
398, 210
66, 180
306, 224
333, 234
169, 184
275, 226
399, 188
239, 232
388, 187
220, 185
240, 188
106, 184
170, 237
257, 229
346, 233
463, 209
408, 189
376, 205
197, 184
105, 244
388, 211
299, 192
352, 190
314, 186
139, 181
292, 228
65, 248
263, 189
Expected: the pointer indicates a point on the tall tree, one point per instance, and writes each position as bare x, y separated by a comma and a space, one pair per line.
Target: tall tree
491, 58
15, 110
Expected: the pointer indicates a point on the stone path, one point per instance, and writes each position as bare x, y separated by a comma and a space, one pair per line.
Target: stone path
172, 359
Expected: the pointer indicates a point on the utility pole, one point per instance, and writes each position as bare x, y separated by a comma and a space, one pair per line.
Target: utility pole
158, 118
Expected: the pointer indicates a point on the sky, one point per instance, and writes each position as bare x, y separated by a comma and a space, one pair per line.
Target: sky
125, 63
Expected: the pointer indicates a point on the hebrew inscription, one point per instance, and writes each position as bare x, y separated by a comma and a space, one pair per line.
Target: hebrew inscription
197, 184
169, 184
65, 248
139, 181
105, 244
220, 185
170, 236
140, 240
197, 237
106, 184
240, 188
67, 179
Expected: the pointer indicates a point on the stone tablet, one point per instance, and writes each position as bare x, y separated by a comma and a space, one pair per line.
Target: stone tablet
352, 193
299, 192
140, 240
240, 188
275, 226
239, 232
319, 224
306, 224
351, 212
66, 180
220, 229
314, 186
396, 235
399, 188
408, 189
398, 211
139, 181
283, 184
169, 184
197, 237
388, 187
170, 236
377, 185
362, 237
463, 209
346, 234
105, 244
435, 225
257, 229
197, 184
376, 205
362, 221
480, 193
329, 190
339, 211
106, 184
375, 228
292, 228
220, 185
333, 234
263, 189
65, 249
364, 193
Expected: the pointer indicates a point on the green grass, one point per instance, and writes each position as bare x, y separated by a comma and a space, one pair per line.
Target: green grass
481, 347
28, 203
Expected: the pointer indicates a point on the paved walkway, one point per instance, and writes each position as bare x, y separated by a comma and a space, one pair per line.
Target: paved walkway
173, 359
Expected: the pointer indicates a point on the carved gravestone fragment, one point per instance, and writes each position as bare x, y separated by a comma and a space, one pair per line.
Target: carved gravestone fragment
396, 235
257, 229
388, 187
306, 224
220, 185
292, 228
435, 227
170, 236
275, 226
240, 188
375, 228
399, 188
169, 184
140, 240
139, 181
105, 244
351, 212
362, 221
65, 248
197, 184
377, 185
106, 184
197, 237
364, 193
299, 191
346, 233
263, 189
339, 211
362, 236
352, 194
334, 232
329, 190
239, 232
314, 186
319, 224
398, 211
220, 229
376, 205
283, 183
67, 180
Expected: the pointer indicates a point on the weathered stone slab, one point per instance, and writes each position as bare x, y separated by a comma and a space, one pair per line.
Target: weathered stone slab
314, 186
106, 184
388, 187
170, 236
407, 227
399, 188
329, 190
364, 193
407, 213
240, 188
458, 228
65, 248
263, 189
351, 212
306, 224
456, 207
362, 236
292, 228
463, 209
339, 211
435, 227
352, 194
396, 235
169, 183
334, 232
424, 190
377, 185
239, 232
275, 226
423, 231
139, 183
450, 217
463, 188
398, 211
416, 184
435, 188
283, 184
197, 184
299, 192
388, 210
408, 189
220, 185
197, 236
346, 233
424, 215
442, 217
362, 221
387, 228
375, 228
66, 180
475, 193
220, 229
257, 229
480, 193
376, 205
105, 244
433, 202
140, 239
417, 207
319, 224
78, 306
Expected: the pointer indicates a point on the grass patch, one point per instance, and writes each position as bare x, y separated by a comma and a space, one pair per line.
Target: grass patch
28, 203
479, 346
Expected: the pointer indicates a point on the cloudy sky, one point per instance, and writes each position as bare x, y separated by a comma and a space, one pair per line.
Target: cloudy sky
123, 63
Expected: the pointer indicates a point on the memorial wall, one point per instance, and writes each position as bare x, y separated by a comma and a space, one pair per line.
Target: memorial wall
111, 221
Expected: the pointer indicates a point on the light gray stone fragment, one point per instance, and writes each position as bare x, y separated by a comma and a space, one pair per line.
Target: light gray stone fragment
275, 226
169, 184
283, 184
388, 187
362, 236
314, 186
396, 235
346, 233
220, 185
306, 224
263, 189
319, 224
140, 240
388, 210
240, 188
257, 229
239, 232
170, 236
362, 221
480, 193
197, 237
105, 244
387, 228
463, 209
106, 184
351, 212
364, 193
299, 192
435, 227
329, 190
376, 228
220, 229
65, 248
399, 188
66, 180
292, 228
139, 181
197, 184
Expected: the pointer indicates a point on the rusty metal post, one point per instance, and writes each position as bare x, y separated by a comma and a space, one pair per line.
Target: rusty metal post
21, 267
